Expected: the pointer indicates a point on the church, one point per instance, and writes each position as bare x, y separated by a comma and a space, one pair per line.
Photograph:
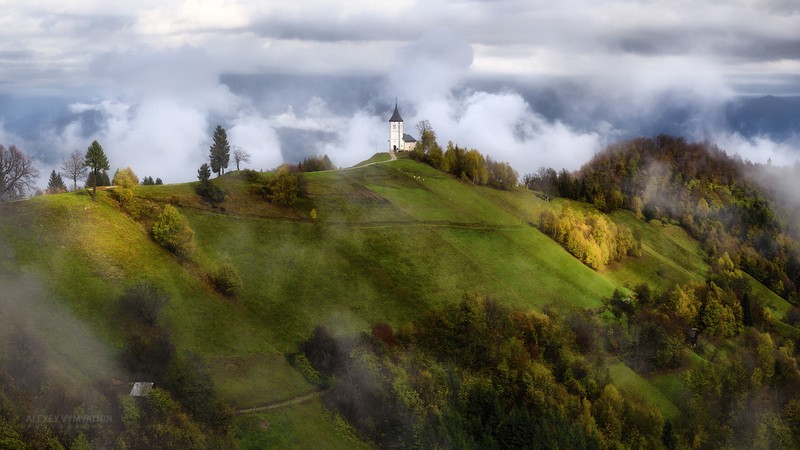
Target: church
398, 140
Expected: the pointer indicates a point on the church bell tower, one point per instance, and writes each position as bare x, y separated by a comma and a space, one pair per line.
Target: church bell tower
396, 131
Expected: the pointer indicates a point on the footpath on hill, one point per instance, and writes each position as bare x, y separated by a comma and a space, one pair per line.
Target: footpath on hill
284, 403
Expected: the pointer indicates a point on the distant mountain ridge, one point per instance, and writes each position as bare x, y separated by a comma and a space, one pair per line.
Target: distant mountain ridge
776, 117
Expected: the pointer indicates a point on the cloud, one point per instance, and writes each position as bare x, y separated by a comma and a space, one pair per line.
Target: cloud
511, 78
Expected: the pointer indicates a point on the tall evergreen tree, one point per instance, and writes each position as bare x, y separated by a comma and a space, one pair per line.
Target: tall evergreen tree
96, 160
56, 184
220, 151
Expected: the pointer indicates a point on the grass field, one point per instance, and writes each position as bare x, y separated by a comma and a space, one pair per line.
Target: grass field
390, 241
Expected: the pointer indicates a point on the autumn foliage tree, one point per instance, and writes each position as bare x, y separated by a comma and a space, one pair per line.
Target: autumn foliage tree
125, 178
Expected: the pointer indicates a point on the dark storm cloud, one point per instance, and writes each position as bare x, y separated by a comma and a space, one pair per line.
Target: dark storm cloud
720, 43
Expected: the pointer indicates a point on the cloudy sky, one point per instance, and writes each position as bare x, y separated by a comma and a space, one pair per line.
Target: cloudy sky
531, 82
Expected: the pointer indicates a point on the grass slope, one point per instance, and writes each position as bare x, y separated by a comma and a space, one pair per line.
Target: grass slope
391, 240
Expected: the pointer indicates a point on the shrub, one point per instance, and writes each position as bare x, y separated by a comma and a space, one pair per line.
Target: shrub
210, 192
250, 175
171, 230
303, 365
285, 187
226, 280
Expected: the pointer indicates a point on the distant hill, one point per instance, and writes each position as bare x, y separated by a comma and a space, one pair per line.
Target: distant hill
777, 117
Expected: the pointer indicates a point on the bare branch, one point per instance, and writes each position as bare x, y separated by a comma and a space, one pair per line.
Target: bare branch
74, 168
17, 173
240, 155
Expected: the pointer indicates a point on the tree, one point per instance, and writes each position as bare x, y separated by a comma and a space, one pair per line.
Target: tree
220, 151
204, 173
74, 168
125, 178
240, 155
95, 159
102, 179
210, 192
159, 182
17, 174
148, 181
56, 184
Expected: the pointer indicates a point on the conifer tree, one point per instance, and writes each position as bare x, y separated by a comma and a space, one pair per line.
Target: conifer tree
220, 151
56, 184
96, 160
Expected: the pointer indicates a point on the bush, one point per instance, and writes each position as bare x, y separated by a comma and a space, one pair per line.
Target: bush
284, 189
316, 164
304, 366
226, 280
210, 192
250, 175
171, 230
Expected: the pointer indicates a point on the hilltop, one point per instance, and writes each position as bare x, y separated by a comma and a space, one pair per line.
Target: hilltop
386, 243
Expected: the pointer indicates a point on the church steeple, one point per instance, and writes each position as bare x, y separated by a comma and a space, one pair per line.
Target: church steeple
396, 130
396, 115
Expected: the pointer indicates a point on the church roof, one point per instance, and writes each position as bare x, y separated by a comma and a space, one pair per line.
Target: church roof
396, 116
408, 138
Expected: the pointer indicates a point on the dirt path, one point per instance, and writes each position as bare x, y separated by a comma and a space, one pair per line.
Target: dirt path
291, 401
392, 157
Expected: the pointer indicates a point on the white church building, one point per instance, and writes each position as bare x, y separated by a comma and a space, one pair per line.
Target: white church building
398, 140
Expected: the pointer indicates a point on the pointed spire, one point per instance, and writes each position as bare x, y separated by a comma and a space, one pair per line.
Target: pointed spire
396, 115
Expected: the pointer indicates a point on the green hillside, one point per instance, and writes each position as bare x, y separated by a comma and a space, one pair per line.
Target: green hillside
390, 241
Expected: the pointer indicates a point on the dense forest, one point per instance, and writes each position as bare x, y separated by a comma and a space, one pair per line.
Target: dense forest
474, 374
712, 195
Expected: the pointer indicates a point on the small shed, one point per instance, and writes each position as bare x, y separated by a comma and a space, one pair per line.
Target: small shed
141, 388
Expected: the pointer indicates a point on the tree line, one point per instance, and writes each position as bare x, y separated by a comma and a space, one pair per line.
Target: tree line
468, 165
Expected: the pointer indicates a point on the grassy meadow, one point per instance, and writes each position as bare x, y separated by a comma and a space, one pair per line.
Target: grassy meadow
390, 240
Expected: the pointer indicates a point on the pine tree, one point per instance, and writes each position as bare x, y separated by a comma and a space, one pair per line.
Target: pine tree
56, 184
220, 151
203, 173
96, 160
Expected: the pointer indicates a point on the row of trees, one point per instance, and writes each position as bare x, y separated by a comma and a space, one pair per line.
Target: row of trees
220, 153
467, 165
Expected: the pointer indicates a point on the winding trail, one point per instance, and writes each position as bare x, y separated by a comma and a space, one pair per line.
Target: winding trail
291, 401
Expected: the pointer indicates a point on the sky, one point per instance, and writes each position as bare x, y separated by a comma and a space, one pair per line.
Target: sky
535, 83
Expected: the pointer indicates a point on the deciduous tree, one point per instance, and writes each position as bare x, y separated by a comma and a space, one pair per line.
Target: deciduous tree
74, 168
17, 173
125, 178
240, 155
